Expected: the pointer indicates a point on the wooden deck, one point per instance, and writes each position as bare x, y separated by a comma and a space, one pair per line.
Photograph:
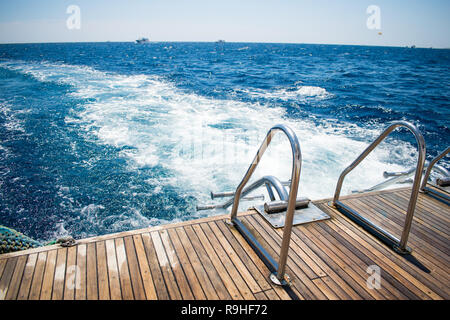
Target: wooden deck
208, 259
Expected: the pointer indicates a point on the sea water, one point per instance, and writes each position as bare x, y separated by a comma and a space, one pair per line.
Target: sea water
98, 138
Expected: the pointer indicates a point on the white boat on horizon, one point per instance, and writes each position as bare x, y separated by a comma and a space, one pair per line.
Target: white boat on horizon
143, 40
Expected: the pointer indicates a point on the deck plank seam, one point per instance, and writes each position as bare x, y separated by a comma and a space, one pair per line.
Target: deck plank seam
219, 261
238, 246
335, 223
206, 231
254, 223
169, 264
184, 265
5, 276
31, 279
200, 270
396, 224
183, 268
359, 255
209, 260
198, 255
342, 255
317, 238
385, 252
176, 289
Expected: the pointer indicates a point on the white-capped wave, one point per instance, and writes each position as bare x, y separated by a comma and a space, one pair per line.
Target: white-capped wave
299, 93
209, 143
10, 120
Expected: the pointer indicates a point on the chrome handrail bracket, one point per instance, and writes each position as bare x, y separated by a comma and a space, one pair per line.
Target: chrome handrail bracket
399, 246
280, 267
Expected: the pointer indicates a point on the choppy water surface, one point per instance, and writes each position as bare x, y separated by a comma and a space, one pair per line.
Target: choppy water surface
105, 137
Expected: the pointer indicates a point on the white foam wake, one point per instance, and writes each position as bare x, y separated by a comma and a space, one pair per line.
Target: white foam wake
299, 93
208, 143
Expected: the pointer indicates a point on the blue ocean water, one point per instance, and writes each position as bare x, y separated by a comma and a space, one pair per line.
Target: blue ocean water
105, 137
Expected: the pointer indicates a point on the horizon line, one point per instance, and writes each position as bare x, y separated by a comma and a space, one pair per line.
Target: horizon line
204, 41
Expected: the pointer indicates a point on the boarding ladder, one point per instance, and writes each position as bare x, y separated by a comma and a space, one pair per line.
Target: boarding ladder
286, 205
399, 246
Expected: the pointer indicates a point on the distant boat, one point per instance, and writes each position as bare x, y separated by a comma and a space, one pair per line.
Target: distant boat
143, 40
220, 41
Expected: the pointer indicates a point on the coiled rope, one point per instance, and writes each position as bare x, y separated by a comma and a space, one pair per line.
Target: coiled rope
12, 240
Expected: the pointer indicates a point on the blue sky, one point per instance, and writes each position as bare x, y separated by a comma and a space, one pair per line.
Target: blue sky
422, 23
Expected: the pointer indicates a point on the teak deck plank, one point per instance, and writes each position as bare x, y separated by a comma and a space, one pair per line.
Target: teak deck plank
80, 288
206, 262
60, 271
198, 267
70, 277
430, 254
180, 277
91, 273
133, 266
384, 258
242, 286
49, 273
27, 277
2, 266
191, 277
426, 255
14, 285
6, 276
147, 281
124, 274
226, 279
160, 287
102, 271
254, 271
113, 271
301, 280
36, 284
209, 259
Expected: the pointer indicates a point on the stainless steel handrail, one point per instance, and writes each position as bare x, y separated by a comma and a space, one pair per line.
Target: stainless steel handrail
388, 182
436, 167
443, 196
430, 167
399, 246
400, 177
231, 193
221, 206
280, 267
269, 181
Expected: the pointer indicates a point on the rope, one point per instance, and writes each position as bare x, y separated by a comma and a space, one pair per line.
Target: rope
66, 241
12, 240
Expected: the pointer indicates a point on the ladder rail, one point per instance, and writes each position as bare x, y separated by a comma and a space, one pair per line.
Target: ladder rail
269, 181
441, 195
280, 267
399, 246
400, 177
431, 165
436, 167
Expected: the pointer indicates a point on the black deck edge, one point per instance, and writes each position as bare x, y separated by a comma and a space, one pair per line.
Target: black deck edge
265, 257
440, 196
